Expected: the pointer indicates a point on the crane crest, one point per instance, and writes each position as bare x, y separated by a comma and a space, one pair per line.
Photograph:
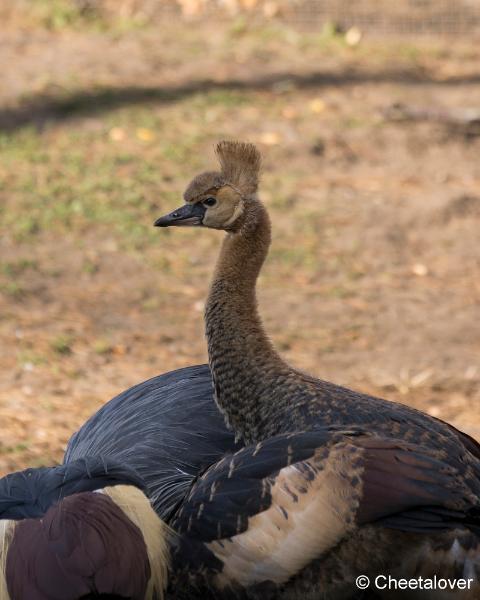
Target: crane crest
240, 164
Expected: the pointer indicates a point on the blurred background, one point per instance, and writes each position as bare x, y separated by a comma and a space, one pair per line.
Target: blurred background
368, 115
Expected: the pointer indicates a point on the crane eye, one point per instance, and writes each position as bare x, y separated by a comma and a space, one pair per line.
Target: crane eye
210, 201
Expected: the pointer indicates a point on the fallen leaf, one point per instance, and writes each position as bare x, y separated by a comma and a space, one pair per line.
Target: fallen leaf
353, 36
270, 138
145, 135
317, 105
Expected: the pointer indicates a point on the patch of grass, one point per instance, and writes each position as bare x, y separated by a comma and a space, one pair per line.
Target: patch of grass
12, 289
102, 347
90, 267
62, 344
340, 291
294, 256
239, 26
59, 14
29, 357
151, 303
22, 447
353, 122
226, 98
17, 267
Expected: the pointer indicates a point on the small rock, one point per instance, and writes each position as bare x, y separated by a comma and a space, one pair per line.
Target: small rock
434, 410
471, 372
270, 9
199, 306
289, 112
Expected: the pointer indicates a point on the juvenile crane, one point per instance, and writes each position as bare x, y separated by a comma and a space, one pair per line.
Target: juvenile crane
152, 439
260, 394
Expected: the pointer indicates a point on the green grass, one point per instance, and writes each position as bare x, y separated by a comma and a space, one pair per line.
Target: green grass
118, 175
16, 267
57, 14
30, 357
67, 178
12, 289
62, 344
64, 15
102, 347
14, 449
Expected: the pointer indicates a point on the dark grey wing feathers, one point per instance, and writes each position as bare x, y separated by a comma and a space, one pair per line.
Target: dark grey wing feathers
30, 493
168, 429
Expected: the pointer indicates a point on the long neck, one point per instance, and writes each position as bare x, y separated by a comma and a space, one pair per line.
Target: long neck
243, 361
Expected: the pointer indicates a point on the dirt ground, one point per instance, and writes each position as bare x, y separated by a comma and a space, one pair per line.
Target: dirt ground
373, 279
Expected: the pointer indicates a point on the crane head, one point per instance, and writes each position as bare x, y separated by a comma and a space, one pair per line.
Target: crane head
218, 200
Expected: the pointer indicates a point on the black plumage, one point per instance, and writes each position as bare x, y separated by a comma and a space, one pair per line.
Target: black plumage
168, 429
30, 493
156, 437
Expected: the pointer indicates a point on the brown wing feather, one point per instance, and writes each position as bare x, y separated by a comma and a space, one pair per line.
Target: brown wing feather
347, 483
399, 477
269, 511
313, 504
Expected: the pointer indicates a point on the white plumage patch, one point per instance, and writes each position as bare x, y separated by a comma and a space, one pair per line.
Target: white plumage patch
312, 505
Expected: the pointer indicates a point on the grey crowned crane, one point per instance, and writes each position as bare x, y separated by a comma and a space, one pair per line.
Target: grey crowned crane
292, 517
60, 539
162, 432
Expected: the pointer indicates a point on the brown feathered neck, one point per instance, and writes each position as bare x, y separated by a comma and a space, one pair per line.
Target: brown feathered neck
244, 251
245, 248
241, 355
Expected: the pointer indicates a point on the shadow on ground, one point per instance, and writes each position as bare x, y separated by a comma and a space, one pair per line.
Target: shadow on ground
39, 110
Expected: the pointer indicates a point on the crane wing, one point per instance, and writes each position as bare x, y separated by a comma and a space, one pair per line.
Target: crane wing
30, 493
267, 511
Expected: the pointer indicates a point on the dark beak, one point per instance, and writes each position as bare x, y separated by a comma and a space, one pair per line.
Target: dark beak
190, 215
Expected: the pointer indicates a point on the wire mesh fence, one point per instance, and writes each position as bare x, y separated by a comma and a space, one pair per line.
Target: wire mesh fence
375, 17
386, 16
405, 17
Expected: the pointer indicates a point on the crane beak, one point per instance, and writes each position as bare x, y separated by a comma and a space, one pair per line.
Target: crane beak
189, 215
